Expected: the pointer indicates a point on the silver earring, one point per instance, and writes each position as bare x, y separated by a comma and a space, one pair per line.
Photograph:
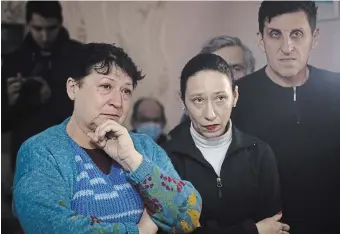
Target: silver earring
183, 108
234, 105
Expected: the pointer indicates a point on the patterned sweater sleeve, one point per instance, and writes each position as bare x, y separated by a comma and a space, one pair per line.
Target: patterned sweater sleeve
174, 204
41, 199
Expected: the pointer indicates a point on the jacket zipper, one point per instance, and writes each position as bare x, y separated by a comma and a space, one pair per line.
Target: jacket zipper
219, 180
219, 187
295, 105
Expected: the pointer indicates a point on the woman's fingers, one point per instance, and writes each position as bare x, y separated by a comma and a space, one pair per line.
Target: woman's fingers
285, 227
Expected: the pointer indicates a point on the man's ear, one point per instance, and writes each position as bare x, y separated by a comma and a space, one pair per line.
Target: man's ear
315, 38
72, 87
260, 42
236, 95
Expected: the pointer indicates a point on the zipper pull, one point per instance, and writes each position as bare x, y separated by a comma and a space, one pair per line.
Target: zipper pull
219, 182
295, 106
219, 186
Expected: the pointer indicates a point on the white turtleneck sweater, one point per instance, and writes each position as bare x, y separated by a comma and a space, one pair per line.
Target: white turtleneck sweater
213, 149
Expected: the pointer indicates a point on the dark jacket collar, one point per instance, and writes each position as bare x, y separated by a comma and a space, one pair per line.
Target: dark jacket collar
181, 142
261, 73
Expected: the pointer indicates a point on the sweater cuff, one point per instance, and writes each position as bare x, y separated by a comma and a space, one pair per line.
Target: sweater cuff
250, 227
144, 169
132, 229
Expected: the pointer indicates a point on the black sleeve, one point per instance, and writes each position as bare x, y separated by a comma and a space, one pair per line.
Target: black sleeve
269, 183
26, 103
5, 120
246, 227
7, 70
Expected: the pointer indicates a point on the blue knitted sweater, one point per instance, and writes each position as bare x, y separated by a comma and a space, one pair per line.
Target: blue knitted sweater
110, 198
48, 180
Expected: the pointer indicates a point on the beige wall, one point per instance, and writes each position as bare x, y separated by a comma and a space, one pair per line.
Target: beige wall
162, 36
159, 36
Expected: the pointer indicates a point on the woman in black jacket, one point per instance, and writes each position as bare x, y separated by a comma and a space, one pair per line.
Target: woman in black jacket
235, 174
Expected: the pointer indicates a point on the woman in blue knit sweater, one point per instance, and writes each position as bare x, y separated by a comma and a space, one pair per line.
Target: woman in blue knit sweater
89, 174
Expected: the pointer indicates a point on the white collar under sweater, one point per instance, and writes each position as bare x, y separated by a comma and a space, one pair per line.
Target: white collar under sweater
213, 149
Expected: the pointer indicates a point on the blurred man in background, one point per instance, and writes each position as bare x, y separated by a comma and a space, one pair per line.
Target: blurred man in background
232, 50
34, 97
148, 117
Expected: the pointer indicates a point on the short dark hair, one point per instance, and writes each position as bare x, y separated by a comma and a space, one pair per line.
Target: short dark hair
203, 62
47, 9
134, 116
271, 9
101, 57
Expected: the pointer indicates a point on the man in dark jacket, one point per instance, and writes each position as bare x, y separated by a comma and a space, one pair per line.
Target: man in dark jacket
34, 95
296, 109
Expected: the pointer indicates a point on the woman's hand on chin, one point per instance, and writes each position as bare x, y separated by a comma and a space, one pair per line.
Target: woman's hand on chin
115, 140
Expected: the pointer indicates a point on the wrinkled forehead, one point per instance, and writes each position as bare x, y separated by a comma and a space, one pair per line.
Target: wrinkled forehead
114, 73
232, 54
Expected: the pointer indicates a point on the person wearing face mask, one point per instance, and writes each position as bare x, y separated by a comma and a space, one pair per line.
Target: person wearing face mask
148, 117
236, 174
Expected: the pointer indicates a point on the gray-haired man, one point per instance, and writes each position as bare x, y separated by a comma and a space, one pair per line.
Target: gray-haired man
232, 50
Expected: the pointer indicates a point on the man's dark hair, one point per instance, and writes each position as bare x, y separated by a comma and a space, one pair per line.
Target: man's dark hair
204, 62
46, 9
270, 9
101, 58
134, 116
